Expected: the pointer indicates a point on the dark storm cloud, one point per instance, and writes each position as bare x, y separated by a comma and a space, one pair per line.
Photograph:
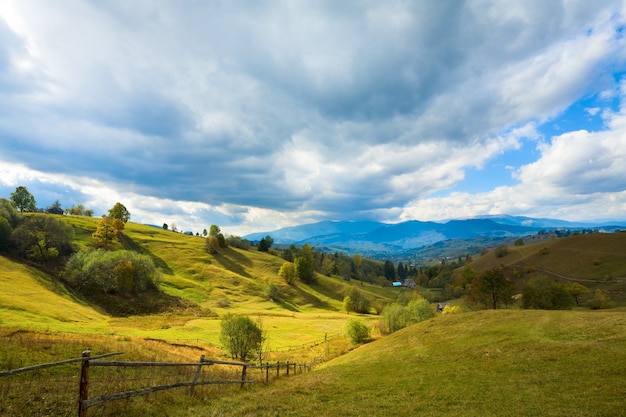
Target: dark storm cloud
316, 107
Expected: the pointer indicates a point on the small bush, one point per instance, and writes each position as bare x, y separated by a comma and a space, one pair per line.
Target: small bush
502, 251
273, 292
452, 310
599, 301
357, 331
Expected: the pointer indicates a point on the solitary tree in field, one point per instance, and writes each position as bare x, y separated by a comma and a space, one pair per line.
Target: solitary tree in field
118, 211
240, 336
23, 200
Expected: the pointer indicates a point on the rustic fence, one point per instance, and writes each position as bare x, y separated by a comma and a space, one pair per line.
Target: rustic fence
89, 362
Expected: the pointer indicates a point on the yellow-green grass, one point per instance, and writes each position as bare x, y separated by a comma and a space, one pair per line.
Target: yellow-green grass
488, 363
30, 298
304, 314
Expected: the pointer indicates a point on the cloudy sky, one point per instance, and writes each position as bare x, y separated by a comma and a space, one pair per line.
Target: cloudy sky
255, 115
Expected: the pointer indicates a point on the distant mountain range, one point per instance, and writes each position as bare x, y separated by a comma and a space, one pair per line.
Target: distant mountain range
368, 237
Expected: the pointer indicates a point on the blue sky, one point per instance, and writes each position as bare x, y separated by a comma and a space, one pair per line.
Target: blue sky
265, 114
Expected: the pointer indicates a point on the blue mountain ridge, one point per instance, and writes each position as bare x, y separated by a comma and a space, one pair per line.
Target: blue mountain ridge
357, 236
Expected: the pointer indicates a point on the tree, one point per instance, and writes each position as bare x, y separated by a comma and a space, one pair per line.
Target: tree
273, 292
165, 226
357, 331
401, 272
8, 211
266, 243
5, 234
217, 234
600, 300
42, 238
356, 301
577, 291
118, 211
122, 272
108, 229
542, 293
212, 245
389, 271
287, 272
492, 289
240, 336
357, 260
23, 199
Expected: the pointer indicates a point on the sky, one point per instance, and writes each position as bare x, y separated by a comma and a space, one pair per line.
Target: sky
257, 115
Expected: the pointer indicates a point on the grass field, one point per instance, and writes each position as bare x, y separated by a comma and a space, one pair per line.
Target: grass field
487, 363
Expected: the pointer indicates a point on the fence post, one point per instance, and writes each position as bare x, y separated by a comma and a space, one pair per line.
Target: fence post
243, 375
277, 369
267, 372
83, 388
196, 375
287, 368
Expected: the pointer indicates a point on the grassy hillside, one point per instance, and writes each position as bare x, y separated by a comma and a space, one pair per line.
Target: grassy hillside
488, 363
593, 260
233, 280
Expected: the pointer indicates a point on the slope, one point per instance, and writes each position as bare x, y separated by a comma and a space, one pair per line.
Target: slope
31, 298
232, 281
488, 363
593, 260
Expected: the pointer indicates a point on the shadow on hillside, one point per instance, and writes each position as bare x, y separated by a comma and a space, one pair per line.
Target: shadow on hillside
312, 299
233, 261
129, 244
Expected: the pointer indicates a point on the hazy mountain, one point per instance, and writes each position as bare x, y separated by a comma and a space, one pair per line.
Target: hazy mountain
373, 237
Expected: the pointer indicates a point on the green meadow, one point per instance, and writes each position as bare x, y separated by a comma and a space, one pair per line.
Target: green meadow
480, 363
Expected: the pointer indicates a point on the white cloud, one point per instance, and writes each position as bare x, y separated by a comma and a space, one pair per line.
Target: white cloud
307, 110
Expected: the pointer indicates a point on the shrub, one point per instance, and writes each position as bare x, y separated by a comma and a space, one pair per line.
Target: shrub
600, 300
357, 331
121, 272
502, 251
273, 292
543, 293
452, 310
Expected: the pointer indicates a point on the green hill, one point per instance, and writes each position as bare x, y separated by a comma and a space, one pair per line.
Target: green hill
593, 260
200, 287
487, 363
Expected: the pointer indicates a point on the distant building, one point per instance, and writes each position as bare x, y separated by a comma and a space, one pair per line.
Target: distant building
397, 284
409, 283
54, 210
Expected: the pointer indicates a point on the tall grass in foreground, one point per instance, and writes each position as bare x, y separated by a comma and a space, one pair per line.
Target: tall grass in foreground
54, 391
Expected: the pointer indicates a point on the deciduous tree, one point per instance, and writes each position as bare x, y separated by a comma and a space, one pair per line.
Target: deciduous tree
492, 289
23, 199
119, 211
240, 336
108, 229
287, 272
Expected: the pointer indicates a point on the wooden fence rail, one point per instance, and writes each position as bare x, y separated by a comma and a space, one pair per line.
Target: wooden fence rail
88, 361
85, 402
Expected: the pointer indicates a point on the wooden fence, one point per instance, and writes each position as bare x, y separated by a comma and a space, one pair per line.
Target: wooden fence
88, 362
